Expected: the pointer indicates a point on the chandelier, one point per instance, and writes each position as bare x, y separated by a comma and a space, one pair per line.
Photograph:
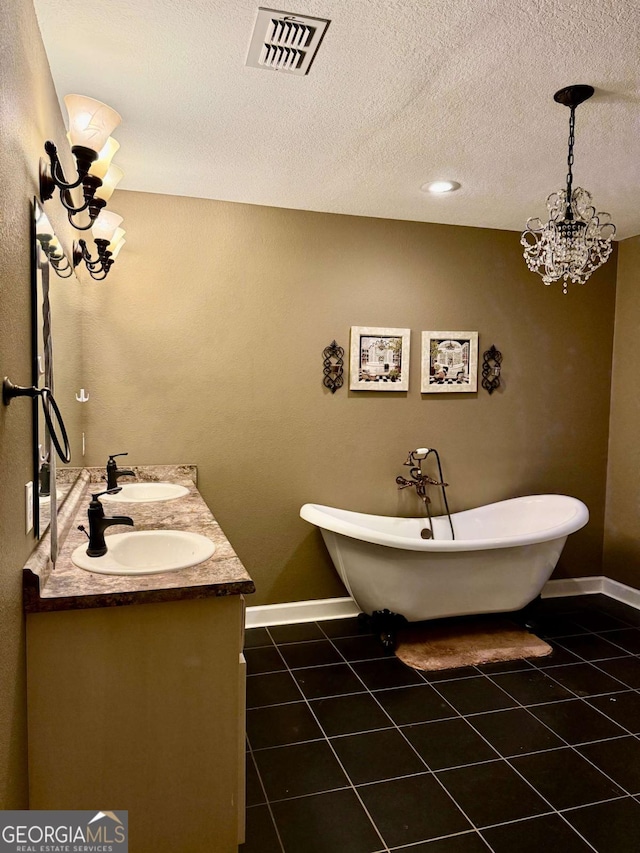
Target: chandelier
576, 240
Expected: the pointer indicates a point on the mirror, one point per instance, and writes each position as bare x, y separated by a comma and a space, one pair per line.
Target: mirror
51, 271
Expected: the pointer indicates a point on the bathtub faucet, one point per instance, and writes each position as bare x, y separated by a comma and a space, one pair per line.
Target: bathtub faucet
419, 481
418, 478
418, 455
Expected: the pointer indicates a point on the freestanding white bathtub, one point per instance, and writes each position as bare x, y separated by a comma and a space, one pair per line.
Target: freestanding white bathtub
500, 559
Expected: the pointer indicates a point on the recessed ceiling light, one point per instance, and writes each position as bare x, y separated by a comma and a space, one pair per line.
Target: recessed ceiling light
439, 187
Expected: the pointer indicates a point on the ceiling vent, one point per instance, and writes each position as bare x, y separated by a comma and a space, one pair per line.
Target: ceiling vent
284, 42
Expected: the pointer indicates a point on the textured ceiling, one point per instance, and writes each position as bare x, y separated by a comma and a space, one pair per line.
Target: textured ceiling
401, 92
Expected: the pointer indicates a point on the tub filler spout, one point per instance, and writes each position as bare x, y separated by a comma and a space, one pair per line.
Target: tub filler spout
420, 480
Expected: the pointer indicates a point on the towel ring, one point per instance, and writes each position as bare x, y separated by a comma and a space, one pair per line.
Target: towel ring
9, 391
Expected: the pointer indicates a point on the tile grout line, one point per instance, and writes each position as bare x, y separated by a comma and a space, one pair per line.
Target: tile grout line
462, 716
457, 714
303, 698
500, 757
585, 699
266, 799
628, 689
407, 848
385, 847
429, 770
505, 760
595, 661
571, 746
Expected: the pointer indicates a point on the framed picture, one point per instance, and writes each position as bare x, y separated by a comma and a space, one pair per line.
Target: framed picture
449, 362
379, 359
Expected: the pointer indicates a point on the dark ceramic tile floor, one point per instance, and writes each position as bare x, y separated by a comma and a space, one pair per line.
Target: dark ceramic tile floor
350, 751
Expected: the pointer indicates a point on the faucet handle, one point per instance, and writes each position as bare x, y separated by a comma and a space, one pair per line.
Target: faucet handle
433, 482
112, 456
106, 492
403, 483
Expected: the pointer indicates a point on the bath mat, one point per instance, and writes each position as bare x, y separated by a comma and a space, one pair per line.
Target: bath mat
448, 644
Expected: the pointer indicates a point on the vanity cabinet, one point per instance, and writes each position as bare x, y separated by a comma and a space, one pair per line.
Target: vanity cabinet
136, 684
141, 708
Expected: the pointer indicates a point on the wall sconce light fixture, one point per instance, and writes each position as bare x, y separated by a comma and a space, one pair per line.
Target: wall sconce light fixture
576, 240
90, 125
53, 252
109, 240
56, 257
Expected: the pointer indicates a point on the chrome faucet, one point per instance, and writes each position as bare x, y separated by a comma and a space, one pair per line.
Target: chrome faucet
113, 472
98, 523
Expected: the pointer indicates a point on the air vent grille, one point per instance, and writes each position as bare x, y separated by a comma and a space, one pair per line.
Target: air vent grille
290, 33
285, 42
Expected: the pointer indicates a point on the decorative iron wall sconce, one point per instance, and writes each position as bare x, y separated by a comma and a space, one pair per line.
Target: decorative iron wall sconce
333, 369
90, 125
109, 240
491, 369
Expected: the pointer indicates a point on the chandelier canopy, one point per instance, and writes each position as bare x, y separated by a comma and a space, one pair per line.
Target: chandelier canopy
576, 240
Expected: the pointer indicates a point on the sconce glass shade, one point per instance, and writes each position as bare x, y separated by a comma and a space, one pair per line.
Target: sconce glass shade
118, 234
41, 218
90, 122
116, 251
100, 167
109, 182
44, 231
105, 225
55, 248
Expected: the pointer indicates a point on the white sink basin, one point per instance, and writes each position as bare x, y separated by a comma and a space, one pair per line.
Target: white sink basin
146, 552
145, 492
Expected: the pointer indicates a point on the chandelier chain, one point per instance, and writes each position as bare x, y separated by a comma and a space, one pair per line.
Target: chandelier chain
572, 139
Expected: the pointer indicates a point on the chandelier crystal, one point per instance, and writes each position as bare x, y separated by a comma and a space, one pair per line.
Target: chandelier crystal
576, 240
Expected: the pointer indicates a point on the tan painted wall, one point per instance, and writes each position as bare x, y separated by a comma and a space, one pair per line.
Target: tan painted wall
205, 346
29, 114
622, 531
206, 343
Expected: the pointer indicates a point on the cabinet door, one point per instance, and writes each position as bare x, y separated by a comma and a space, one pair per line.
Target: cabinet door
139, 706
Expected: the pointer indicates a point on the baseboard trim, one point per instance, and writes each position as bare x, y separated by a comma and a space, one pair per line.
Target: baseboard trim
318, 610
622, 592
291, 612
563, 587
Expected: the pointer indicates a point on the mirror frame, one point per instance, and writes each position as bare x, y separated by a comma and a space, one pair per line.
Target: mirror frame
37, 258
43, 281
44, 305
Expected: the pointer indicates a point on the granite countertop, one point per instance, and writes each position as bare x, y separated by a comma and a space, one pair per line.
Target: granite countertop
66, 587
